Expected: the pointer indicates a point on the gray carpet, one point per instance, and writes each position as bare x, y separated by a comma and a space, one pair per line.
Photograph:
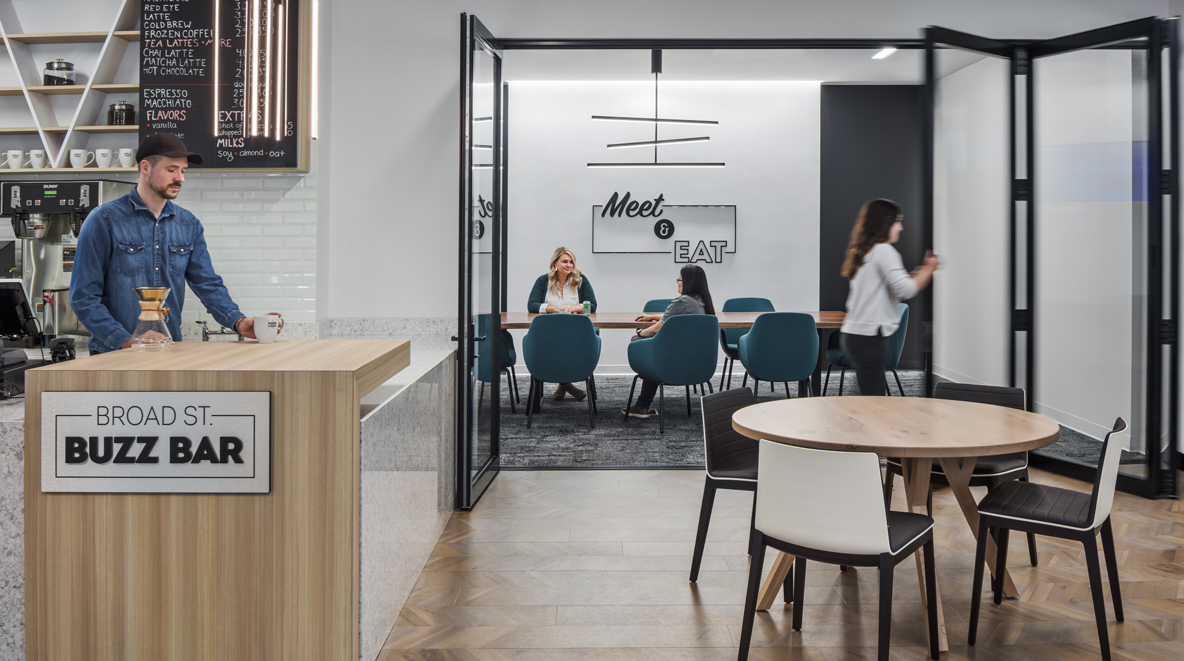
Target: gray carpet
561, 438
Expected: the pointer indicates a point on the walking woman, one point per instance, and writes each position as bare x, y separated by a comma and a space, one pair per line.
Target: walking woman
879, 282
562, 289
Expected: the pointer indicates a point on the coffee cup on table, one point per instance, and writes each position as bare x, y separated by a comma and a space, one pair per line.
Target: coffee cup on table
127, 157
15, 159
103, 157
80, 158
267, 327
37, 158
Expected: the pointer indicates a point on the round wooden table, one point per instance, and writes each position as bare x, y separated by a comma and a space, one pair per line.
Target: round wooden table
917, 430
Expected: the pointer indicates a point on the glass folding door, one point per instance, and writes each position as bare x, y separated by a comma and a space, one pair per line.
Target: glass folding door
478, 382
1052, 170
1103, 304
971, 159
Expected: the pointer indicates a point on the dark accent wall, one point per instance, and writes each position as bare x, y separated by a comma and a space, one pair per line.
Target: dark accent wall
871, 147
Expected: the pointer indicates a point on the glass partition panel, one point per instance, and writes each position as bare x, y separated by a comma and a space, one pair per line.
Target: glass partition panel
1091, 248
971, 217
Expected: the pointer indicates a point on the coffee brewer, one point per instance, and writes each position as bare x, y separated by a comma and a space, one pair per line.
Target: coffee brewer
35, 301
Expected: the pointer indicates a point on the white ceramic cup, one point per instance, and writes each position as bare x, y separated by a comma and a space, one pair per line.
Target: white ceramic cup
15, 159
37, 158
103, 157
127, 157
267, 327
80, 158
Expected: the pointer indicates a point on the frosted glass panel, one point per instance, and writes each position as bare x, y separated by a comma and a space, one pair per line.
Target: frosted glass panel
1090, 196
971, 216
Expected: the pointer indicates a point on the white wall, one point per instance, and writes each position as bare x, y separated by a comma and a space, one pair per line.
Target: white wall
970, 225
768, 136
395, 132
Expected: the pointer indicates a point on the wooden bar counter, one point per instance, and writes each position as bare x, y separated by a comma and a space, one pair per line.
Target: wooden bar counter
131, 576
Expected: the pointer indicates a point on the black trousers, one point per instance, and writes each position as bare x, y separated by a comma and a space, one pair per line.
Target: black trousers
648, 388
867, 352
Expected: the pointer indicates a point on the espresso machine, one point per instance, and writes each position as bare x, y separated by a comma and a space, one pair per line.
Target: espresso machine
35, 310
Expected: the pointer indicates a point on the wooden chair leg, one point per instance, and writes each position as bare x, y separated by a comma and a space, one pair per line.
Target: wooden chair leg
1095, 588
704, 522
976, 592
1112, 568
885, 635
755, 564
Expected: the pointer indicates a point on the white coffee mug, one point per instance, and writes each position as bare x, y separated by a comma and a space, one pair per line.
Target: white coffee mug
267, 327
127, 157
15, 159
103, 158
37, 158
80, 158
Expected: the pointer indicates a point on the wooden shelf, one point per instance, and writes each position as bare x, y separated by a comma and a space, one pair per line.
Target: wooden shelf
87, 170
72, 37
114, 88
130, 128
18, 130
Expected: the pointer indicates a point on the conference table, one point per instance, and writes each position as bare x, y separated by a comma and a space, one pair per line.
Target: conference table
826, 320
915, 429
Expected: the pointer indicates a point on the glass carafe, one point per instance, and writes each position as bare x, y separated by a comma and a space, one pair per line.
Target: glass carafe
152, 333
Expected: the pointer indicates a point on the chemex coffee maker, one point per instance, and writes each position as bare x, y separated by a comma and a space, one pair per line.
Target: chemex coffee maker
35, 298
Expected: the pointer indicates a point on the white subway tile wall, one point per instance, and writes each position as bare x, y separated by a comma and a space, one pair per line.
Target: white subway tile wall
262, 236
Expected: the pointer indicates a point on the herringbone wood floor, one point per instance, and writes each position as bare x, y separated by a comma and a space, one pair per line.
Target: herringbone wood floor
564, 565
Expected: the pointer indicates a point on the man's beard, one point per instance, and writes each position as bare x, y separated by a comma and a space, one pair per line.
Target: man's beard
165, 192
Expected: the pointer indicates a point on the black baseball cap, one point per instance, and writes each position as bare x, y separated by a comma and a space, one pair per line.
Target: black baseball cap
165, 144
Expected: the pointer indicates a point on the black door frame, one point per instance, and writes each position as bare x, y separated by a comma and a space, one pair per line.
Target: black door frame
470, 487
1018, 53
1159, 34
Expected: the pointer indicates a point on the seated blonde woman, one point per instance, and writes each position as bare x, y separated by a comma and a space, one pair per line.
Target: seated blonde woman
562, 289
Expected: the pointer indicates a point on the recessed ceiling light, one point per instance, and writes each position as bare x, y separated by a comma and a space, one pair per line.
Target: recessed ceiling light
884, 53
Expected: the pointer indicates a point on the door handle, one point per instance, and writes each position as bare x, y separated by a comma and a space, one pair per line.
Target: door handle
479, 339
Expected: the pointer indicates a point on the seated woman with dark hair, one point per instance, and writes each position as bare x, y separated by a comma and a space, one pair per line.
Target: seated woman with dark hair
694, 298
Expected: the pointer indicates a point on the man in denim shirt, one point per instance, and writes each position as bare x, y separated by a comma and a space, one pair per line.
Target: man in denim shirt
144, 240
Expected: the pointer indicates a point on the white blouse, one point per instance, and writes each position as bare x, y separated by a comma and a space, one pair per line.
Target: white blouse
567, 296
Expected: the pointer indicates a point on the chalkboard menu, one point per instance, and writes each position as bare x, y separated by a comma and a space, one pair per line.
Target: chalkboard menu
223, 75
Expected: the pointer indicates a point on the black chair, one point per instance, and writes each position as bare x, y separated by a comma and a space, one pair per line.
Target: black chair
988, 472
825, 506
1061, 513
731, 459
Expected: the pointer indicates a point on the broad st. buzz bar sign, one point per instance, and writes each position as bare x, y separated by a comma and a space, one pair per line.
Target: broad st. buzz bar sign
156, 442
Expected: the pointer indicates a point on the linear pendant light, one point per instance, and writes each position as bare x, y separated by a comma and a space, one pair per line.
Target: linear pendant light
645, 143
654, 120
655, 165
656, 68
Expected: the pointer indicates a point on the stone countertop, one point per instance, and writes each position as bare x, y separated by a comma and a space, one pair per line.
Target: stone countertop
426, 352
